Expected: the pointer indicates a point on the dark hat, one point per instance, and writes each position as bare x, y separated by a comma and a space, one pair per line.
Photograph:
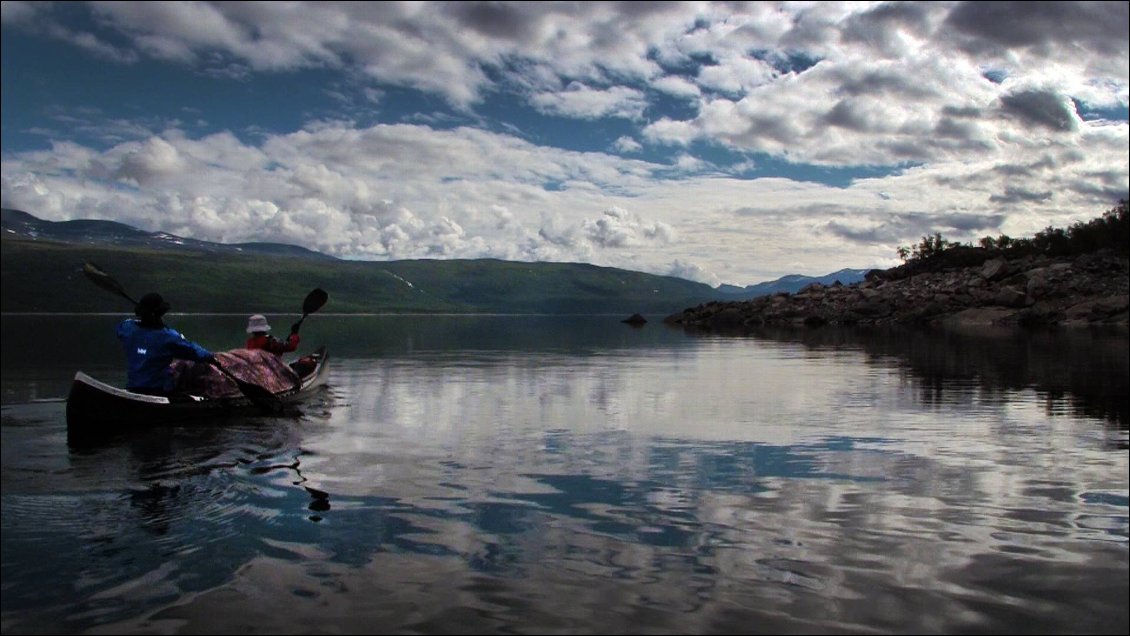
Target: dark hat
151, 305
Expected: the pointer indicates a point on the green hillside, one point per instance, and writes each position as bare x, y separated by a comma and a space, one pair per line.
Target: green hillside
39, 276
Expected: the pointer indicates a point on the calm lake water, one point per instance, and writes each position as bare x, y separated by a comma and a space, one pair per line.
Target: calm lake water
577, 475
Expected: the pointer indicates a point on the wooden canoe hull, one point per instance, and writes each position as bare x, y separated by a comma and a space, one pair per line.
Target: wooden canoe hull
94, 407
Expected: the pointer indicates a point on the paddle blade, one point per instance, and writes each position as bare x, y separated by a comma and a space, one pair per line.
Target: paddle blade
105, 281
260, 397
314, 301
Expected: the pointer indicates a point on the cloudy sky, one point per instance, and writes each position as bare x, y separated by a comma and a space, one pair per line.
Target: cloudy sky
724, 142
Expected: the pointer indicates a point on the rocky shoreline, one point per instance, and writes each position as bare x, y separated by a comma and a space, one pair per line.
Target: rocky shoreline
971, 286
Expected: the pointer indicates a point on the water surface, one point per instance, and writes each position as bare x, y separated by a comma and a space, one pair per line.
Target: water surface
575, 475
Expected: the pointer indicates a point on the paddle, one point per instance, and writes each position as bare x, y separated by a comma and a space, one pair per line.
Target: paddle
314, 301
103, 280
258, 396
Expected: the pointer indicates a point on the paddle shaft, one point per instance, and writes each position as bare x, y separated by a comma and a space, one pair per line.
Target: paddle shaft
127, 297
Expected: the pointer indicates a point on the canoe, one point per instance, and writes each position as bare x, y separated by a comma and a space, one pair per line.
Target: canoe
95, 407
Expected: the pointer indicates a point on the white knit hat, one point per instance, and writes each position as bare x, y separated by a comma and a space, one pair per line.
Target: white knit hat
258, 322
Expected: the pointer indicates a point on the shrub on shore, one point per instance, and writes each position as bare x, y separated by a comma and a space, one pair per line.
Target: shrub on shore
1109, 231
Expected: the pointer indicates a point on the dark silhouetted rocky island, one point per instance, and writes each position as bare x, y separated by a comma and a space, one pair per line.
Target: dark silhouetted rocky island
1077, 276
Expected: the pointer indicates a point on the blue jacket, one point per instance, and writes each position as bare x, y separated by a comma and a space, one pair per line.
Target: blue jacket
149, 351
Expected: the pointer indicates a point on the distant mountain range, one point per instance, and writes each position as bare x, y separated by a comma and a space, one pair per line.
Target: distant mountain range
41, 260
791, 284
94, 232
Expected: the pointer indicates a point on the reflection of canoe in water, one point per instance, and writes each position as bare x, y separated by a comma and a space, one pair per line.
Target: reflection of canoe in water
94, 407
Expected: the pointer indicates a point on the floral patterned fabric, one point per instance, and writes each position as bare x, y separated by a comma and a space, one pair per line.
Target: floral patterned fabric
254, 366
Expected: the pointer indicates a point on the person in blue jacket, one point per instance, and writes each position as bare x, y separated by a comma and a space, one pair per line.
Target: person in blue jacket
150, 347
